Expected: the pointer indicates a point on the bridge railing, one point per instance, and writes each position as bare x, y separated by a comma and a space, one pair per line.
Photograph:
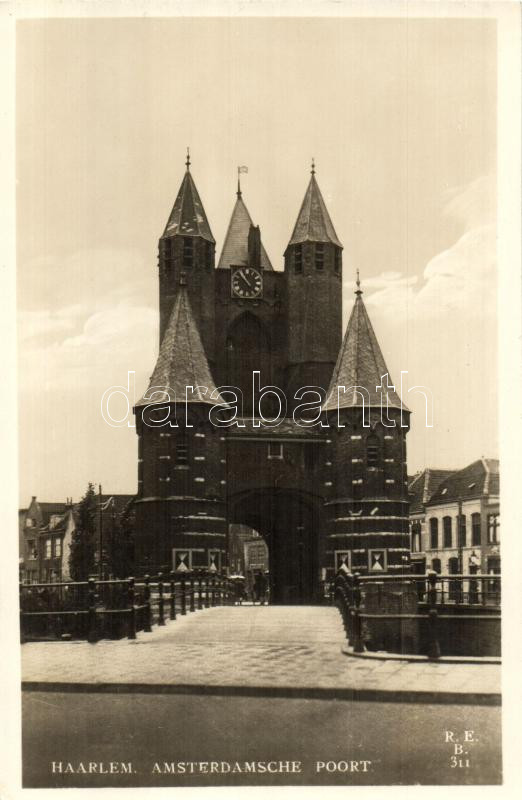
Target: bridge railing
99, 609
429, 614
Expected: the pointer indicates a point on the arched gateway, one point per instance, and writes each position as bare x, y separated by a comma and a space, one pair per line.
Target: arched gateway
323, 494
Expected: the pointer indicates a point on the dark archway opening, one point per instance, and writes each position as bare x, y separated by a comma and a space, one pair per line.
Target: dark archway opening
290, 524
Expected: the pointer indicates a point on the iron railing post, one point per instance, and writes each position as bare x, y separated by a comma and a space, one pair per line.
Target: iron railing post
148, 610
131, 631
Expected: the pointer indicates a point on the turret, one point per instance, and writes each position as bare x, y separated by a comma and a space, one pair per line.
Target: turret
313, 270
366, 491
187, 245
180, 506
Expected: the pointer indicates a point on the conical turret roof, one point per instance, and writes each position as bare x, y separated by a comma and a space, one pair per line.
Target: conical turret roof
181, 361
188, 217
360, 363
235, 248
313, 222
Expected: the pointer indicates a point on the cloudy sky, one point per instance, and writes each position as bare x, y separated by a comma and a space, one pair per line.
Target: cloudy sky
400, 117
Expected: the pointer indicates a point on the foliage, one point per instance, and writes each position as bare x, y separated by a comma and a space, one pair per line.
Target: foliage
83, 544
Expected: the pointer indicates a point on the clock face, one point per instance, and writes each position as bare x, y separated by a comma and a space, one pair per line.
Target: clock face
247, 282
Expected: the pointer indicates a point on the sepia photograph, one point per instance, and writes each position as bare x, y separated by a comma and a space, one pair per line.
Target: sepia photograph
260, 507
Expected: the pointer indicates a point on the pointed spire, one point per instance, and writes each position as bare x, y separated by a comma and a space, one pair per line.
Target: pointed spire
360, 363
181, 361
313, 222
235, 247
188, 217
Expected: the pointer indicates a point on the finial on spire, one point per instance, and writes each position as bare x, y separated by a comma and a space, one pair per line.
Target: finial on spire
312, 170
358, 283
187, 162
239, 171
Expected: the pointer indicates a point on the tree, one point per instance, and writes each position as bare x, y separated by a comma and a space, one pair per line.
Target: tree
83, 543
120, 541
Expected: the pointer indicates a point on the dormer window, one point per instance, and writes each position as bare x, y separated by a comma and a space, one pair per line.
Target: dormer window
298, 258
188, 251
319, 256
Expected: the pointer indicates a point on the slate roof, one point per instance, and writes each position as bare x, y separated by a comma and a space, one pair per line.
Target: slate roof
479, 478
423, 485
313, 221
235, 247
360, 363
188, 217
51, 509
181, 361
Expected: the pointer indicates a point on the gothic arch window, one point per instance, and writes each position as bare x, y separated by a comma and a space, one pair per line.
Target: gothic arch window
248, 351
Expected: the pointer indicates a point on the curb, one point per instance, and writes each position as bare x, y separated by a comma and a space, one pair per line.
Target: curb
417, 659
288, 692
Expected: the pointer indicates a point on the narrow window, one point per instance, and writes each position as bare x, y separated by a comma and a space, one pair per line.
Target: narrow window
462, 530
48, 548
446, 523
337, 262
188, 251
275, 450
434, 533
319, 256
298, 258
208, 254
416, 537
436, 565
475, 529
182, 453
493, 529
372, 449
57, 548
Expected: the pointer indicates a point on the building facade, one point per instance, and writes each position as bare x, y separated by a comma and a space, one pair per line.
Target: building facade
46, 531
455, 528
323, 484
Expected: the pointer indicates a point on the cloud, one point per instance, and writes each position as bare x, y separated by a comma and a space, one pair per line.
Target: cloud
443, 329
461, 278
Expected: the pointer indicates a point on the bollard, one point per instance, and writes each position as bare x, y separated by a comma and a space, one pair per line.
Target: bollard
148, 611
91, 608
131, 630
183, 597
161, 610
172, 596
192, 595
357, 637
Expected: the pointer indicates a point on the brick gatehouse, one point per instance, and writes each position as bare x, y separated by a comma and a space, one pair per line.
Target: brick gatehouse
328, 488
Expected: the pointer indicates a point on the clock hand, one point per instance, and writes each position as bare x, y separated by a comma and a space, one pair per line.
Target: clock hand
242, 273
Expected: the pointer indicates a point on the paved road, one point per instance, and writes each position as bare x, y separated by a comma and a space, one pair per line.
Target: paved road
405, 743
263, 646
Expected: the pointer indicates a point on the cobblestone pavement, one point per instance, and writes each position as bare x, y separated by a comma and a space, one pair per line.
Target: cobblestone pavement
251, 646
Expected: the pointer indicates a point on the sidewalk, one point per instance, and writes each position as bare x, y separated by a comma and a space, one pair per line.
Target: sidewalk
252, 650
